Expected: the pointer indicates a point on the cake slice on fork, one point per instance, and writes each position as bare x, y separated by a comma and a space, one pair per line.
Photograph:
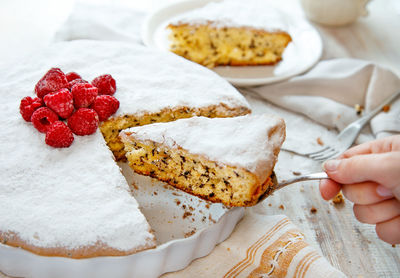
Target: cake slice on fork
227, 160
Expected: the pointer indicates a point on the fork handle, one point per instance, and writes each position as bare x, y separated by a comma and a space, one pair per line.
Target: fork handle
365, 119
308, 177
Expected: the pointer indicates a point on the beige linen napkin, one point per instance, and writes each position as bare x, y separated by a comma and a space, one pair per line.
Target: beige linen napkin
262, 246
330, 90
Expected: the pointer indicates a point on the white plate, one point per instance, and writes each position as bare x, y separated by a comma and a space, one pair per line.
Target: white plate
300, 55
164, 208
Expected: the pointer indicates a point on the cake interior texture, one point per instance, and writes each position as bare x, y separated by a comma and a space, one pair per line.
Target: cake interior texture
195, 174
112, 127
212, 45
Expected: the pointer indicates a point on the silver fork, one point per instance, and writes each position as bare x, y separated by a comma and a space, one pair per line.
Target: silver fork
347, 136
278, 185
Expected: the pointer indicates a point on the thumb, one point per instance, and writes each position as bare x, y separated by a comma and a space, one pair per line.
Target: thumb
383, 168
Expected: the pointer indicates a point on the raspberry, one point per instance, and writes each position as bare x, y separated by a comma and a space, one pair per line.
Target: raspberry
42, 118
76, 81
72, 76
106, 84
105, 106
84, 94
84, 121
28, 106
52, 81
60, 102
59, 135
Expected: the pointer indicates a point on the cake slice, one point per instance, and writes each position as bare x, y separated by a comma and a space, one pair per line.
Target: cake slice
230, 32
227, 160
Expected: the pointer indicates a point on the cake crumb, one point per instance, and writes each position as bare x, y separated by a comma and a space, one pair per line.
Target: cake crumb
177, 202
338, 199
359, 109
135, 186
281, 207
319, 141
394, 245
295, 173
191, 208
211, 219
270, 205
386, 108
155, 193
192, 232
229, 249
313, 210
186, 214
176, 194
208, 206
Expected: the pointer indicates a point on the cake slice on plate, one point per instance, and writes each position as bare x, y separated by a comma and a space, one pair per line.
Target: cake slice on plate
228, 160
231, 32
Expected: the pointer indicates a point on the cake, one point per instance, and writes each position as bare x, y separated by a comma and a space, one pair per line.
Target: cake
231, 32
74, 202
228, 160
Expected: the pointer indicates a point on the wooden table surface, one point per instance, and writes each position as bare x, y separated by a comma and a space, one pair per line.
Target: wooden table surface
349, 245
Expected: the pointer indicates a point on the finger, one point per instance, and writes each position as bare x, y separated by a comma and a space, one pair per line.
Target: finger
377, 213
329, 189
365, 193
389, 231
379, 168
383, 145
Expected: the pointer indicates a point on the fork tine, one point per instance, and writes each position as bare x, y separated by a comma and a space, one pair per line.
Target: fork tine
328, 152
326, 157
319, 151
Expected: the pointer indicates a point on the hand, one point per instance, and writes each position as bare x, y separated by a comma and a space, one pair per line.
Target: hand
369, 176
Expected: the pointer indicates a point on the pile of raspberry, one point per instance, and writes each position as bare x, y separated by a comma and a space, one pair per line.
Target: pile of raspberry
66, 104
